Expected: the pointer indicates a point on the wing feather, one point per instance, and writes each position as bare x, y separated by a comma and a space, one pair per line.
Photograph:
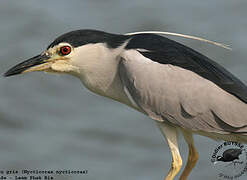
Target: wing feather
179, 96
166, 51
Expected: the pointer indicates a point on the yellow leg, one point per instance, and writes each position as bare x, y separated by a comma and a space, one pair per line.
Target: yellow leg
192, 157
171, 136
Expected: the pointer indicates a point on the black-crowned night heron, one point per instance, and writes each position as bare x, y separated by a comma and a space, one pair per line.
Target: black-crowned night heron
179, 88
230, 155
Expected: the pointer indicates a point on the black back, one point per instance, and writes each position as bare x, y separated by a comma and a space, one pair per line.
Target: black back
166, 51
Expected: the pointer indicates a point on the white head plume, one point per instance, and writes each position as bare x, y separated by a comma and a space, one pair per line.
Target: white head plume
182, 35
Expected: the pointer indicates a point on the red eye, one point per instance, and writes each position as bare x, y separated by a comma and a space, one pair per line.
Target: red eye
65, 50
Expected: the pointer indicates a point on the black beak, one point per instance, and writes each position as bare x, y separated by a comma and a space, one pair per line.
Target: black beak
34, 61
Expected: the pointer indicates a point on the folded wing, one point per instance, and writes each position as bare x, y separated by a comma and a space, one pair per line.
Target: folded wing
171, 93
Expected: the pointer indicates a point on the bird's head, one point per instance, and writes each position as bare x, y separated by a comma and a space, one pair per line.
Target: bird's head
72, 53
54, 59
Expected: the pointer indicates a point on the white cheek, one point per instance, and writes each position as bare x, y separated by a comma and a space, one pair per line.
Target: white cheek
63, 66
86, 56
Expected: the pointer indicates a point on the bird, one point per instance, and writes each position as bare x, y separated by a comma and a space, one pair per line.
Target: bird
230, 155
179, 88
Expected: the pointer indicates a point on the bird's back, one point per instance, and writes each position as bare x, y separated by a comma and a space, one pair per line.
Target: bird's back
171, 82
166, 51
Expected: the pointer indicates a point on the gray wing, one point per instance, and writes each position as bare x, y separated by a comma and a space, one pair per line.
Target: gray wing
173, 94
167, 51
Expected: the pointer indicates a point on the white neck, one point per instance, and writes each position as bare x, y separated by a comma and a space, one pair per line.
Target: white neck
99, 70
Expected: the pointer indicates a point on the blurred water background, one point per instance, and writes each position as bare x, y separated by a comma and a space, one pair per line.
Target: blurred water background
53, 122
